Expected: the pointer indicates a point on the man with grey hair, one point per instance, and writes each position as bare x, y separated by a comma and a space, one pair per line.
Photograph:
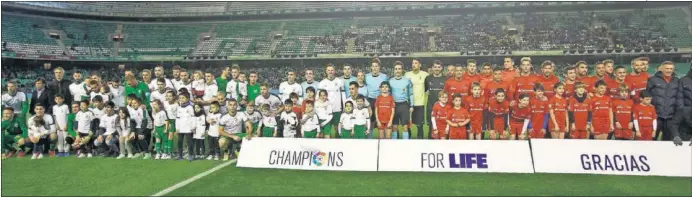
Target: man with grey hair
60, 85
664, 88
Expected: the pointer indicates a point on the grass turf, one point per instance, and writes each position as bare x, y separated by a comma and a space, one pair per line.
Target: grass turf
267, 182
94, 177
110, 177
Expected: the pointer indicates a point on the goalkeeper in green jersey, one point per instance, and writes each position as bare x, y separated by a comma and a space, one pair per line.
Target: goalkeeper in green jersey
13, 133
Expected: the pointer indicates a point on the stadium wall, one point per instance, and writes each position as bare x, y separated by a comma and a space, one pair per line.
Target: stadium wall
269, 16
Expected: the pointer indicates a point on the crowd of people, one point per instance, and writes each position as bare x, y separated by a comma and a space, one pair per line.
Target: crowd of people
148, 113
536, 32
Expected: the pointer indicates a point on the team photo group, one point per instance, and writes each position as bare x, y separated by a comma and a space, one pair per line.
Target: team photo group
201, 114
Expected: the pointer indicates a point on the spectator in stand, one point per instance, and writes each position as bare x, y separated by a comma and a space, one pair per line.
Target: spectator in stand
664, 87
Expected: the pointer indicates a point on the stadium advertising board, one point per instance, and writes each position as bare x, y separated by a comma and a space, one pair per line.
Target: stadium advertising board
657, 158
309, 154
455, 156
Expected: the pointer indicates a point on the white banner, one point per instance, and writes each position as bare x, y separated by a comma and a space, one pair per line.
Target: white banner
309, 154
612, 157
455, 156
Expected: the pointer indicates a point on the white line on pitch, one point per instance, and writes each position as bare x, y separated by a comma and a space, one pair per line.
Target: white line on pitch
193, 179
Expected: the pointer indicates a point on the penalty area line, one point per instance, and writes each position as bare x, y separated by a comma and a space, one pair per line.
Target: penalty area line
193, 179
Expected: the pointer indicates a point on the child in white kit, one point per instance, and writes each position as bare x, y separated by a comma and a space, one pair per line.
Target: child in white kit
268, 123
289, 119
60, 111
213, 131
200, 130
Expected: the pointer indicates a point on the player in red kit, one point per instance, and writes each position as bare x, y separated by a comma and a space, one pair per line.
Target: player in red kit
570, 78
486, 74
509, 73
476, 105
457, 85
579, 112
622, 110
609, 67
619, 75
495, 84
548, 78
384, 111
524, 82
644, 115
539, 112
498, 115
601, 108
582, 71
457, 119
519, 115
559, 120
438, 117
637, 79
471, 74
599, 75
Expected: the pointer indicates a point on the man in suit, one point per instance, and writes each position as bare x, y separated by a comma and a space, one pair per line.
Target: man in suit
41, 95
60, 85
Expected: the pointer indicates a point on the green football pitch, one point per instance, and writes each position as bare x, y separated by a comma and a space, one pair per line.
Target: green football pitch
110, 177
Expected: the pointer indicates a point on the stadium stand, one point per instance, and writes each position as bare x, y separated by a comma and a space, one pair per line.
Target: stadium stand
628, 29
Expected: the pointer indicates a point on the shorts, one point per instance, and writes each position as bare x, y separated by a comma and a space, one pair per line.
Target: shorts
171, 125
579, 134
72, 132
9, 140
289, 135
561, 126
160, 132
624, 134
601, 127
243, 129
441, 126
310, 134
646, 133
401, 113
458, 133
383, 125
441, 134
326, 129
515, 128
346, 134
499, 127
336, 117
268, 132
418, 116
536, 134
476, 129
359, 131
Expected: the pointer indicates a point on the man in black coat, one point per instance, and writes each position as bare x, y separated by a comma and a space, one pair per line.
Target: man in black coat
41, 95
664, 87
60, 85
686, 88
680, 127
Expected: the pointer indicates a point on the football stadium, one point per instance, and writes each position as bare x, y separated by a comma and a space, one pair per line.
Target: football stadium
346, 98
